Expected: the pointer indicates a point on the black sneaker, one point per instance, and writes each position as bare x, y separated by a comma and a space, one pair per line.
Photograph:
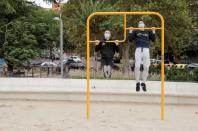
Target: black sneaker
143, 87
137, 86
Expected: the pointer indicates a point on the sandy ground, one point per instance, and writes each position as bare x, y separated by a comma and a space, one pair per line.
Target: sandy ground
68, 116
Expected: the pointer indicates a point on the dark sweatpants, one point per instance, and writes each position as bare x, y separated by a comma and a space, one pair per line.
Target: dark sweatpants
107, 61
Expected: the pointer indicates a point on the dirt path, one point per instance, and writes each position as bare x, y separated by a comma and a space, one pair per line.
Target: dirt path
68, 116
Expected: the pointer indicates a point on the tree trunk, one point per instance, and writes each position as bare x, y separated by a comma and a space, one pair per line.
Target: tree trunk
10, 70
125, 57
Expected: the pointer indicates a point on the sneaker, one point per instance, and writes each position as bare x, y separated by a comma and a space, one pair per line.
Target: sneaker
137, 86
143, 87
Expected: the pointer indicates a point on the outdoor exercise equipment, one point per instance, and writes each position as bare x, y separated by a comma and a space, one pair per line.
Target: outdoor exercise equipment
120, 41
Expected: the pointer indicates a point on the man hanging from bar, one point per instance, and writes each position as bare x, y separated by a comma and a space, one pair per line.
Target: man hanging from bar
142, 40
107, 51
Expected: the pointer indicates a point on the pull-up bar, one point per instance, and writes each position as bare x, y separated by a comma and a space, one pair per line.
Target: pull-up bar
152, 28
120, 41
130, 28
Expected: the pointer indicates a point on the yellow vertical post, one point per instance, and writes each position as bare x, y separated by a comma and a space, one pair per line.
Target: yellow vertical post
125, 28
87, 70
162, 68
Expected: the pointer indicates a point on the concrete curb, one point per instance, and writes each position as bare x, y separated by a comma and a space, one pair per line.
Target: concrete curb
54, 89
80, 96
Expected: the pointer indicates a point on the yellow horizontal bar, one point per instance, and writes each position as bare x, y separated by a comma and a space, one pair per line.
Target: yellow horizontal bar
108, 41
151, 28
130, 28
127, 13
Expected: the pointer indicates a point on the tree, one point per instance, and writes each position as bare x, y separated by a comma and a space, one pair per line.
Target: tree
10, 11
24, 35
178, 22
193, 7
75, 14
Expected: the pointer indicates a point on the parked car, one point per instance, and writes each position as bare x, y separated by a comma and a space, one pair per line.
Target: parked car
77, 65
56, 56
48, 64
35, 62
66, 62
69, 61
152, 61
29, 64
76, 58
192, 66
72, 64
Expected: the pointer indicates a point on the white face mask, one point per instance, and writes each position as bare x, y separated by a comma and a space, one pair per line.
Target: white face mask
107, 35
141, 24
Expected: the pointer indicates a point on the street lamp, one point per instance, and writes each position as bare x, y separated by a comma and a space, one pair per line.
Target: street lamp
61, 42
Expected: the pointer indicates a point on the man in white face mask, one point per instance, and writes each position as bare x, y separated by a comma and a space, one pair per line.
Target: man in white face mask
141, 24
142, 40
107, 34
107, 51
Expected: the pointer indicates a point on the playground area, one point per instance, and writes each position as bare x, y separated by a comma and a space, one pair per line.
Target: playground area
65, 116
58, 105
96, 65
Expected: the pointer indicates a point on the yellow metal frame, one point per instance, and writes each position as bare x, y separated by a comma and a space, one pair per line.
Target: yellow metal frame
120, 41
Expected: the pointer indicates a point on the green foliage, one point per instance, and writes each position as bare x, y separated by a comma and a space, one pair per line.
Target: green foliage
19, 56
45, 29
20, 44
178, 74
25, 30
12, 9
155, 69
75, 14
174, 73
178, 23
178, 20
193, 6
